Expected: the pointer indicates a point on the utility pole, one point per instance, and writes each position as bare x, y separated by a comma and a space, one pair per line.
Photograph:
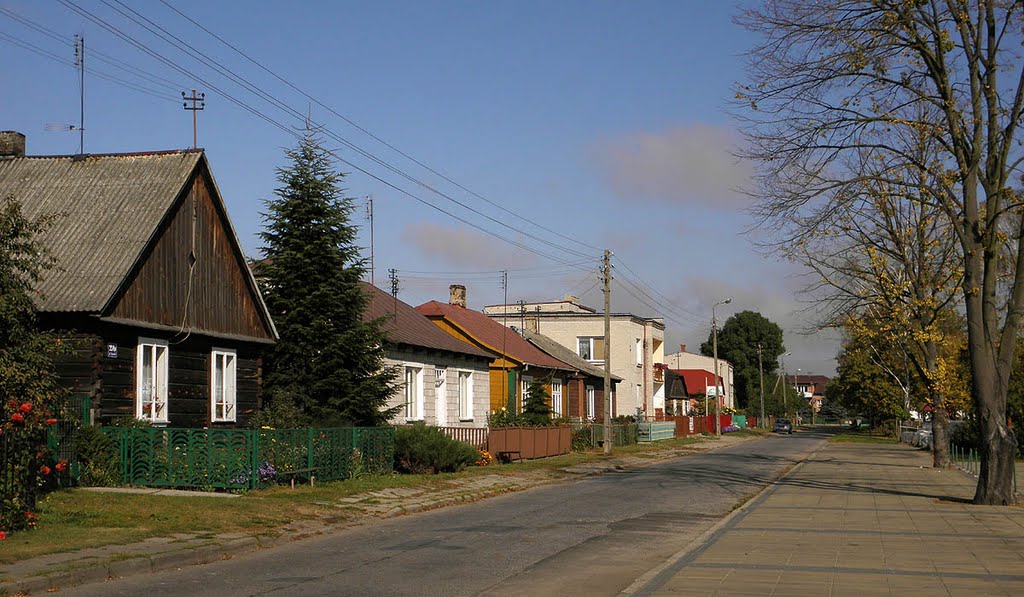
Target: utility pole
198, 103
393, 274
760, 373
373, 289
506, 383
714, 348
522, 317
80, 63
785, 398
607, 270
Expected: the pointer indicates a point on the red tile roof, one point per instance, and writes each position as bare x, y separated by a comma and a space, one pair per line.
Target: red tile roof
496, 337
406, 325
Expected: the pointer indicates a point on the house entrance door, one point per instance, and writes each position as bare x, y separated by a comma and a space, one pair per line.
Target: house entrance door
441, 397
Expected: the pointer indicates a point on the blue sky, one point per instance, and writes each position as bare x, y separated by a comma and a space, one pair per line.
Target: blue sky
593, 121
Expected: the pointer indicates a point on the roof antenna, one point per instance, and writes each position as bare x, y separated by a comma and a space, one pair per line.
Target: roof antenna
80, 65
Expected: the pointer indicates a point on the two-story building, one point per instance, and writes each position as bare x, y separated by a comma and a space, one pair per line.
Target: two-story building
636, 345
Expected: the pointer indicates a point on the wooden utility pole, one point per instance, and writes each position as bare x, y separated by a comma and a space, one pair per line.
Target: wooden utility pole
80, 63
198, 103
373, 289
607, 270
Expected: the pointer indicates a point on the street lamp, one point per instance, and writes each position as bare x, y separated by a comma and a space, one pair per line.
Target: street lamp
785, 399
714, 349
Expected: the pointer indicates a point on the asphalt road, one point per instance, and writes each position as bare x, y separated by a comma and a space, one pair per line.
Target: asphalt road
592, 537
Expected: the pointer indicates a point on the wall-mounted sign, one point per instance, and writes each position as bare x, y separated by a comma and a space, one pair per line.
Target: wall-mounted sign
111, 350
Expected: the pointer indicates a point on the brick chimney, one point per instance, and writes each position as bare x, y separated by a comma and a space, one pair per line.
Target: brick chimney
457, 295
682, 348
12, 144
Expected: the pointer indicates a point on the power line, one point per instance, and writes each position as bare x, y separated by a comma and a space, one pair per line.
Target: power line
242, 104
245, 83
367, 132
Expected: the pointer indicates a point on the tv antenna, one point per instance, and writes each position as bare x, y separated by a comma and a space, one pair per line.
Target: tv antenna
80, 127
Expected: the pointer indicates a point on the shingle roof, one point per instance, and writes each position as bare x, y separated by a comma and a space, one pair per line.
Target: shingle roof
109, 205
406, 325
564, 354
496, 337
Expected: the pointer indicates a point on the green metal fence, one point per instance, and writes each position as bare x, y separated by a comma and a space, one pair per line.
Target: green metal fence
248, 458
591, 435
652, 432
72, 413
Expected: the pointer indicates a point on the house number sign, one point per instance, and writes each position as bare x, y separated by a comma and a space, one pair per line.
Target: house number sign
111, 350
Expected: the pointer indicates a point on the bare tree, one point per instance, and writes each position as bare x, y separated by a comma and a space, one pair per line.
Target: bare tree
837, 85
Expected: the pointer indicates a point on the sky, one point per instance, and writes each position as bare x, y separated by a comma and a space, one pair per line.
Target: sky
524, 136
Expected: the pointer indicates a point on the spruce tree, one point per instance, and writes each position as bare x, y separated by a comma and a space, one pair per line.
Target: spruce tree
537, 403
329, 362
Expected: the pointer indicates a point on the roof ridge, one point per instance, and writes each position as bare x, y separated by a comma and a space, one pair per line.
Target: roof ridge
156, 152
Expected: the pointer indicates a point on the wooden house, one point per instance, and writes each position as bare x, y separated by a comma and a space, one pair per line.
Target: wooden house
160, 317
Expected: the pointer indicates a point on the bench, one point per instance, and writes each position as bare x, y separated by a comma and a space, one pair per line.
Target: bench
300, 472
506, 456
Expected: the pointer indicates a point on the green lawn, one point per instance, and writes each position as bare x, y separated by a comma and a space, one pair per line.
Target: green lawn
864, 436
75, 519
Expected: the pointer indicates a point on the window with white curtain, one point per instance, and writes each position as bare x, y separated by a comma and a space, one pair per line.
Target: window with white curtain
151, 380
591, 399
556, 397
413, 393
223, 374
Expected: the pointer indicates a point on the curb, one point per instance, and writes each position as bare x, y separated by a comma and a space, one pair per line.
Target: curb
229, 548
655, 578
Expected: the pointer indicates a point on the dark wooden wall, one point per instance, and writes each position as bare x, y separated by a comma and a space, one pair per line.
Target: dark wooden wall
85, 368
216, 296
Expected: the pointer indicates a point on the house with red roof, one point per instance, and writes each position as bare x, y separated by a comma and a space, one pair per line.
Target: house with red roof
515, 361
443, 381
688, 387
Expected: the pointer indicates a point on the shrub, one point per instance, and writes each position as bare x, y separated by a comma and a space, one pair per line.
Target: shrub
97, 455
505, 418
421, 449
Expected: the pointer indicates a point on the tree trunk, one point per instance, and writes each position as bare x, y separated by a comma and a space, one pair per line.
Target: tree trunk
998, 445
940, 416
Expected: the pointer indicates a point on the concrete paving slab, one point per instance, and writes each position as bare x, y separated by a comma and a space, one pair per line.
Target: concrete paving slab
859, 519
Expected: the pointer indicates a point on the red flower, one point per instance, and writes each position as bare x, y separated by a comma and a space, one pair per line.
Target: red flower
3, 535
61, 466
26, 407
51, 421
17, 417
44, 469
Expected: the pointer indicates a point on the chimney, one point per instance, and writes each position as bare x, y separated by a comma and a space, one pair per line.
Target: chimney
682, 348
457, 296
12, 144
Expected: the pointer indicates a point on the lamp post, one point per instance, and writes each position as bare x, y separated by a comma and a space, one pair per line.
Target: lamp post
714, 349
785, 399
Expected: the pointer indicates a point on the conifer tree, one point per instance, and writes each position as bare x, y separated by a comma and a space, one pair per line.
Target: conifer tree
329, 362
537, 403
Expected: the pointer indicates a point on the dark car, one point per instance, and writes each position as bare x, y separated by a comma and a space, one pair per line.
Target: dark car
783, 426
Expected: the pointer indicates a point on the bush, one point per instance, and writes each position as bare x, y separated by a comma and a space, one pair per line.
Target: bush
420, 449
280, 412
505, 418
97, 455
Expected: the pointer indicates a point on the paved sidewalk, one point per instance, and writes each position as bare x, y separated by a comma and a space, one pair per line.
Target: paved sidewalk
62, 570
857, 519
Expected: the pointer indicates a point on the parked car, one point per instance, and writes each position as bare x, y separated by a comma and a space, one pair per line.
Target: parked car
783, 426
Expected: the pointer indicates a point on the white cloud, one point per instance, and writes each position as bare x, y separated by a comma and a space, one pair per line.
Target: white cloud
691, 164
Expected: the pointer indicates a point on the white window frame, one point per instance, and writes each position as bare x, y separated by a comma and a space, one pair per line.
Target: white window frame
465, 395
639, 352
594, 358
526, 380
556, 398
414, 395
159, 404
224, 408
591, 402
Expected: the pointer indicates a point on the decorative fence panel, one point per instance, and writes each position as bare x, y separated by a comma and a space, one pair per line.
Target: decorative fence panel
740, 421
246, 458
474, 436
652, 432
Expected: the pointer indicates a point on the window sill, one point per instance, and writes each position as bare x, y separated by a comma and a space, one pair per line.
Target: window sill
465, 420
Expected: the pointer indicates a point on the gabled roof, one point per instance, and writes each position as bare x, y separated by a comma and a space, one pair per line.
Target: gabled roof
818, 381
697, 380
493, 336
564, 354
405, 325
110, 208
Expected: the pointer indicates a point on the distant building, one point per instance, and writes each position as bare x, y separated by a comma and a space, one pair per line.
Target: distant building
688, 360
